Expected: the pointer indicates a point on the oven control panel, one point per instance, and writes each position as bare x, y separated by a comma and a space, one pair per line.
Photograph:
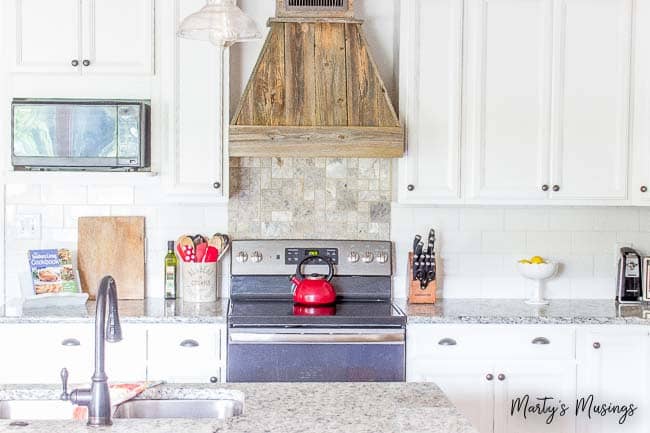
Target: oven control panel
280, 257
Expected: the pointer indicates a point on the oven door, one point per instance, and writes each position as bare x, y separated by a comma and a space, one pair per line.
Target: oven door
315, 355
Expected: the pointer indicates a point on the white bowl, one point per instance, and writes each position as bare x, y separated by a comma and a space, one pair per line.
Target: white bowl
541, 271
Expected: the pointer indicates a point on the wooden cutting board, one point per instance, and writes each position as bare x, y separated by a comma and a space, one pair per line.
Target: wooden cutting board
112, 246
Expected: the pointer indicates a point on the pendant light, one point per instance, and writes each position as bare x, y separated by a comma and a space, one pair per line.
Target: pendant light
221, 23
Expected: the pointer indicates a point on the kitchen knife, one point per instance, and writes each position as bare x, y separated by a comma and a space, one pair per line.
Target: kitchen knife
431, 242
416, 241
417, 260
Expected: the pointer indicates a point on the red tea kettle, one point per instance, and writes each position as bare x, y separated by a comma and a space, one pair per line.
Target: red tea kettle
315, 290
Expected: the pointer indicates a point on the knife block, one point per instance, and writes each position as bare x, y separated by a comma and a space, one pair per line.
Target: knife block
418, 294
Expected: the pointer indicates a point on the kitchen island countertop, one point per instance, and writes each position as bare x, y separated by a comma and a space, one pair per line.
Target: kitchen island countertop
517, 312
281, 408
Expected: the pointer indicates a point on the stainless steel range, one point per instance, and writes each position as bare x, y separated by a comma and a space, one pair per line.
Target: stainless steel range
270, 339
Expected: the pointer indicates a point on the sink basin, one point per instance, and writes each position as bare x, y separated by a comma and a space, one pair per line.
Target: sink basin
36, 409
219, 409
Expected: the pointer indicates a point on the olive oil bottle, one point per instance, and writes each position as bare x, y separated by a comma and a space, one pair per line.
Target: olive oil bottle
171, 272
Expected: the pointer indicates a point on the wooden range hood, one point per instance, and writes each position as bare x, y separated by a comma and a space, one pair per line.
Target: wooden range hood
315, 90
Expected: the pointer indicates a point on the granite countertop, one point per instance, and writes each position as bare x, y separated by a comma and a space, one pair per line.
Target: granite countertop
282, 408
515, 311
146, 311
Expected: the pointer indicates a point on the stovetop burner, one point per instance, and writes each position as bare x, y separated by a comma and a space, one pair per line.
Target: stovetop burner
370, 313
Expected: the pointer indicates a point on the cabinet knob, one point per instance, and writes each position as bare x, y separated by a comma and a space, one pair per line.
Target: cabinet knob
410, 187
644, 188
596, 345
501, 377
544, 188
216, 185
75, 63
86, 62
489, 377
69, 342
556, 188
214, 379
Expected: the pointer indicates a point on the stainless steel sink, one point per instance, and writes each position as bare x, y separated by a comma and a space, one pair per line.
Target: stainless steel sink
62, 410
36, 409
219, 409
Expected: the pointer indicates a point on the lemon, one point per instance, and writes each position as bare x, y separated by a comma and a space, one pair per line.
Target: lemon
524, 261
537, 260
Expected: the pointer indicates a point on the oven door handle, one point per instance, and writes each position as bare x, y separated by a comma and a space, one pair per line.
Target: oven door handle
316, 338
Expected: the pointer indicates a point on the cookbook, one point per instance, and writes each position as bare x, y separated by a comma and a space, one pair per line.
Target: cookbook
52, 271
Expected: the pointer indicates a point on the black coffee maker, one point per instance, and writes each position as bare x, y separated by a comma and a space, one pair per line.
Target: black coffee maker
629, 276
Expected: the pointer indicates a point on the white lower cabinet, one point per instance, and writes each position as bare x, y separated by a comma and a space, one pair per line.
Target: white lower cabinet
612, 367
494, 373
36, 353
188, 353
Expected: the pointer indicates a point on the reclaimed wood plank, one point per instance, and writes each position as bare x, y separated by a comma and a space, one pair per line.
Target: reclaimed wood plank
317, 141
299, 73
367, 101
331, 89
264, 97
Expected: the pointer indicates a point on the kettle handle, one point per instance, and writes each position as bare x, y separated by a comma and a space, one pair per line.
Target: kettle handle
308, 259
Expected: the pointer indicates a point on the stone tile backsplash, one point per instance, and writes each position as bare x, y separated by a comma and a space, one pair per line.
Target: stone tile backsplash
321, 198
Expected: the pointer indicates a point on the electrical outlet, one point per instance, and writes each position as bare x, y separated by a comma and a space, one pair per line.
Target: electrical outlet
28, 227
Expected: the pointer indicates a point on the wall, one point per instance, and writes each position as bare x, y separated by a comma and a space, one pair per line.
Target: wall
481, 245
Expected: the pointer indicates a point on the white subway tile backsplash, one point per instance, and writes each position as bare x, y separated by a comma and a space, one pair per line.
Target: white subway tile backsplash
72, 213
110, 194
571, 219
533, 219
616, 219
64, 194
481, 261
546, 243
592, 242
22, 194
503, 242
473, 219
440, 219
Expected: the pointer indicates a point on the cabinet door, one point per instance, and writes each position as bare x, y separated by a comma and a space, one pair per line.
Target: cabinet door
519, 385
590, 124
118, 36
431, 48
507, 98
47, 35
612, 367
198, 114
37, 353
126, 360
468, 384
184, 353
640, 159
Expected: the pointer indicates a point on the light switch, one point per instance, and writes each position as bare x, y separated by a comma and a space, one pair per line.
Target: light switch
28, 226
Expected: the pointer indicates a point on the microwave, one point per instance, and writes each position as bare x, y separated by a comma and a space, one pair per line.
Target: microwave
66, 134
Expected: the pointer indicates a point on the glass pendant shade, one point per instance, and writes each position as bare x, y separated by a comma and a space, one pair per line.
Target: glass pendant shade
221, 23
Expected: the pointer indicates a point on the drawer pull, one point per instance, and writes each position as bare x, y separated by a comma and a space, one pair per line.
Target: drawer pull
189, 343
70, 342
489, 377
501, 377
447, 342
541, 340
596, 345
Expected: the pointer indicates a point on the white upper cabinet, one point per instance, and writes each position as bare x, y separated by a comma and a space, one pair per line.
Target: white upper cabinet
47, 35
507, 97
83, 36
118, 37
640, 158
591, 114
431, 59
546, 101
